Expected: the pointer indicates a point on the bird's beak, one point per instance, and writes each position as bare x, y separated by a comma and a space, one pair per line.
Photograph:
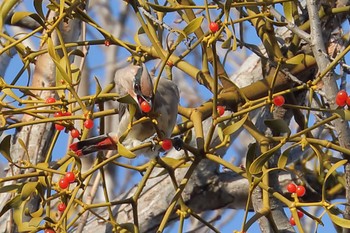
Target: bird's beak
143, 87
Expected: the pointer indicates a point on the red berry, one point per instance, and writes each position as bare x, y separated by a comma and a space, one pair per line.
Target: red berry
221, 110
70, 177
49, 230
63, 183
61, 207
348, 101
167, 144
300, 214
145, 107
300, 191
67, 114
88, 123
59, 127
74, 133
107, 42
292, 221
291, 188
278, 100
214, 27
57, 114
50, 100
341, 98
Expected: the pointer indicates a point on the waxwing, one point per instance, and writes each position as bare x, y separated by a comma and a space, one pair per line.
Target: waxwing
136, 81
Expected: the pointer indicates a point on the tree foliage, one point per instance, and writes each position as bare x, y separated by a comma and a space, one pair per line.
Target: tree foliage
281, 105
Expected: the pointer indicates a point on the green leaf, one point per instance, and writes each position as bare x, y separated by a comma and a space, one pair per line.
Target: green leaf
251, 155
5, 147
76, 52
17, 16
10, 93
13, 203
38, 5
220, 131
171, 162
227, 43
190, 28
278, 126
137, 35
24, 147
283, 159
289, 9
162, 8
37, 213
256, 166
5, 8
329, 173
123, 151
28, 189
235, 126
35, 222
9, 188
345, 223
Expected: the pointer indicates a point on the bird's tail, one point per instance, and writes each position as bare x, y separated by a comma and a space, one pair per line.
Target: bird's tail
90, 145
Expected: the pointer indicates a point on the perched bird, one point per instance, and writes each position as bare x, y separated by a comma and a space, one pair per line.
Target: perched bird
161, 105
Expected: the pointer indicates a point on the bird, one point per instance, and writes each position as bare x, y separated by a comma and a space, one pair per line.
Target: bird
135, 80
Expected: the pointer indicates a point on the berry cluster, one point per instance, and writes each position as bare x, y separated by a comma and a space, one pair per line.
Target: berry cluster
88, 123
299, 190
292, 220
68, 178
342, 98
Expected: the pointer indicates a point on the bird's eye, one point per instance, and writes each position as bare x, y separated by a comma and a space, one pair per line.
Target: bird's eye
137, 86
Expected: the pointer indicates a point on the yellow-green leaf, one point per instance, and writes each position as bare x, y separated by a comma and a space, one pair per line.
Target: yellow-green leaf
345, 223
37, 213
162, 8
171, 162
10, 93
13, 203
277, 125
123, 151
190, 28
35, 222
256, 166
5, 8
9, 188
17, 16
5, 147
235, 126
251, 155
289, 9
28, 189
38, 5
283, 159
329, 173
